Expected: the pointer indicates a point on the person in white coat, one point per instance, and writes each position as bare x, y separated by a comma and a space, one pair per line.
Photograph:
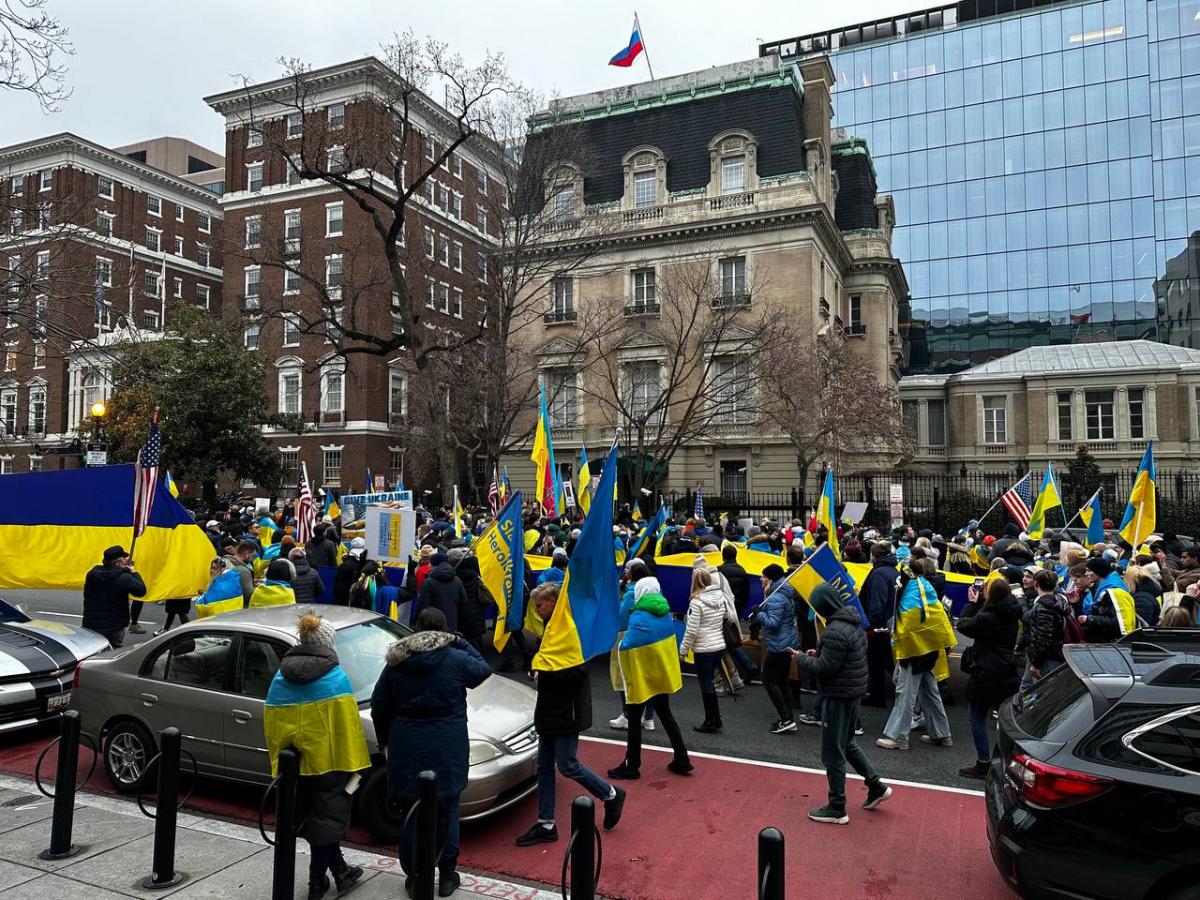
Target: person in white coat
705, 637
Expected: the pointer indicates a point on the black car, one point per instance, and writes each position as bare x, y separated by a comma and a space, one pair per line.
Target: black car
1094, 789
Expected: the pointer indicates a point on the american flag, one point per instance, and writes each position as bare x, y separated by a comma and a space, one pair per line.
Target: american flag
306, 510
699, 503
145, 478
1018, 499
494, 493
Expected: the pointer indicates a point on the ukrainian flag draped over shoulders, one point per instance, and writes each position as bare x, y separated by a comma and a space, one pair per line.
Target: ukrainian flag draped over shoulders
1138, 523
1047, 498
584, 623
223, 595
649, 651
922, 626
501, 554
826, 508
320, 719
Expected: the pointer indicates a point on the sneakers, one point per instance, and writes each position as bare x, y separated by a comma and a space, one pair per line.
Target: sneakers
620, 722
859, 731
830, 815
647, 724
876, 794
540, 833
918, 722
680, 767
783, 727
754, 677
886, 743
936, 741
135, 628
624, 772
612, 809
806, 719
976, 770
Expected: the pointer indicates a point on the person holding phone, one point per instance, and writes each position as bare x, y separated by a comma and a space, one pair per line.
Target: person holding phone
106, 592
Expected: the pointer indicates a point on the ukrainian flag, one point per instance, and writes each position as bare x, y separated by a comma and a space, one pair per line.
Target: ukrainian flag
55, 526
1093, 518
649, 533
825, 513
320, 719
501, 554
170, 483
1138, 523
584, 623
223, 595
649, 651
266, 529
1047, 498
824, 567
922, 627
273, 593
331, 506
584, 495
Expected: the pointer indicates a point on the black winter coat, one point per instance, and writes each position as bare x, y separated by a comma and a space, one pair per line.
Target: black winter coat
1146, 600
322, 552
306, 582
840, 665
1045, 629
344, 578
1015, 551
443, 590
994, 630
470, 618
564, 702
739, 583
878, 592
106, 593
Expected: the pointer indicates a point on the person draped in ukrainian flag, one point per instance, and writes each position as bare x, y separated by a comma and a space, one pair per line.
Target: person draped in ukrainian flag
1109, 610
921, 638
650, 668
276, 590
311, 706
224, 593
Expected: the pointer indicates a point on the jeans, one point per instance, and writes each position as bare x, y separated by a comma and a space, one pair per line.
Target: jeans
775, 680
911, 686
706, 667
749, 669
839, 747
649, 707
980, 717
447, 835
324, 858
1047, 667
633, 742
561, 751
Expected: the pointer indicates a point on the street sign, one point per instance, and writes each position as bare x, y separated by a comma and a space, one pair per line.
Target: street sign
97, 457
380, 483
896, 501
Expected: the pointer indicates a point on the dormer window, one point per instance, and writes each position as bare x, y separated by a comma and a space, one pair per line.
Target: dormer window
564, 191
733, 159
645, 178
733, 174
645, 189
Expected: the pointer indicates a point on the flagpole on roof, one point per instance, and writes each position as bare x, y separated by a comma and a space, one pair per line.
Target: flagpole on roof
642, 35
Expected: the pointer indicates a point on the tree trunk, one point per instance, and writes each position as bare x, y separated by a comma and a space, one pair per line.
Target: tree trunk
802, 465
210, 493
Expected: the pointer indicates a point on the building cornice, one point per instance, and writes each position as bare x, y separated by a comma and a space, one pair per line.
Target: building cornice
119, 248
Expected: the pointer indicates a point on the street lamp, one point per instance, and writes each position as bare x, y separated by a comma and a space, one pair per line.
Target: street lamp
97, 452
99, 410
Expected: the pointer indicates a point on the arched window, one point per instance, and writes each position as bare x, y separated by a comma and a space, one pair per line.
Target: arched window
733, 158
645, 178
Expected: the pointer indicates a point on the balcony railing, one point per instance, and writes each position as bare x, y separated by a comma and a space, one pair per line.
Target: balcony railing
730, 300
558, 316
824, 307
289, 246
642, 308
995, 449
644, 214
732, 201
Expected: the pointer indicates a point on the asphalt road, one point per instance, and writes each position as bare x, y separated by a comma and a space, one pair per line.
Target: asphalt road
747, 717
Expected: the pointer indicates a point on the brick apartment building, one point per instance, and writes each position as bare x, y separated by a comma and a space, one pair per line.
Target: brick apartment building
307, 269
95, 247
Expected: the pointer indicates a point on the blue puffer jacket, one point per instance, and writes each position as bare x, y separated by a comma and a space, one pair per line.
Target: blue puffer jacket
777, 615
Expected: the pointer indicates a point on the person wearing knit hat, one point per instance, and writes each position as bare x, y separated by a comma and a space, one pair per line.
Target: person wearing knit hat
311, 706
840, 666
1109, 610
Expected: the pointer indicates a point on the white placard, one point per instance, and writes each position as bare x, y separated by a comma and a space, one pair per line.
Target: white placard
854, 510
391, 534
896, 502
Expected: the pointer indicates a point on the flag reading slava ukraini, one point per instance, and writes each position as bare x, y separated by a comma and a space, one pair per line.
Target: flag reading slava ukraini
501, 554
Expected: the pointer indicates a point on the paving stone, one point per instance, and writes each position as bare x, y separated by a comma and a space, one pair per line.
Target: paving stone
12, 874
95, 831
55, 887
20, 808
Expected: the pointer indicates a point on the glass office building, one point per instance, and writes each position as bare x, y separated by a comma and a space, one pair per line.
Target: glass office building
1045, 165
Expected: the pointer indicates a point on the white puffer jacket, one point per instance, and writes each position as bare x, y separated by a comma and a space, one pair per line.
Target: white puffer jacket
705, 622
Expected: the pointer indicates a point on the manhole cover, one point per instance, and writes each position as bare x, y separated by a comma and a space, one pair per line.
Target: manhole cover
22, 800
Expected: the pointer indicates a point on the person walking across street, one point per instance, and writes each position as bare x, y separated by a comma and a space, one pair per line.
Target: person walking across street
840, 666
106, 592
878, 596
563, 710
777, 616
991, 621
705, 638
419, 709
310, 706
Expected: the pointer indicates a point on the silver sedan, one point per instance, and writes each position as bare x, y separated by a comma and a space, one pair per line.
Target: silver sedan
209, 678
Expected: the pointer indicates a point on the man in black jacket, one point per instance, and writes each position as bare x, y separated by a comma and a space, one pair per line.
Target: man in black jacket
106, 593
878, 595
840, 666
306, 582
739, 581
321, 550
443, 590
563, 710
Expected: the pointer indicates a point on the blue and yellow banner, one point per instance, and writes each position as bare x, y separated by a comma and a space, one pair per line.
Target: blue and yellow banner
223, 595
55, 526
501, 551
273, 593
1093, 518
649, 651
826, 513
320, 719
1047, 499
1138, 523
824, 567
649, 535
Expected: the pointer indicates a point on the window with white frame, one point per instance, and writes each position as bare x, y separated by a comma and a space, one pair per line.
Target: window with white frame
430, 294
253, 232
427, 148
732, 403
41, 307
481, 181
39, 355
6, 465
177, 291
104, 224
456, 164
153, 205
293, 171
289, 462
331, 467
397, 396
395, 466
995, 420
152, 283
443, 196
856, 321
203, 222
45, 214
456, 205
645, 189
203, 255
10, 356
456, 306
250, 335
291, 231
456, 254
254, 176
333, 219
562, 299
178, 246
733, 174
1064, 411
336, 159
733, 276
8, 410
202, 295
104, 271
562, 386
481, 267
1101, 418
1137, 414
35, 463
153, 239
91, 388
16, 220
178, 212
289, 389
150, 320
295, 125
253, 285
291, 331
444, 298
43, 264
645, 290
291, 281
335, 115
47, 181
18, 185
481, 220
333, 393
564, 202
254, 136
444, 250
643, 390
427, 237
333, 276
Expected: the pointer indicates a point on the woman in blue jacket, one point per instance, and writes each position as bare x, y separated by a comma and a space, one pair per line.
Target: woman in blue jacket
777, 616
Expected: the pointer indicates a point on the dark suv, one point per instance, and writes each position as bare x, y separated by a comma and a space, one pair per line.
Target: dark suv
1094, 790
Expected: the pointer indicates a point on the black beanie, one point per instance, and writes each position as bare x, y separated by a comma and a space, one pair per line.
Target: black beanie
1098, 565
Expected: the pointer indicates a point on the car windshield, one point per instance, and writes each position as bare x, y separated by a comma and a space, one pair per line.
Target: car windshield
361, 650
1051, 705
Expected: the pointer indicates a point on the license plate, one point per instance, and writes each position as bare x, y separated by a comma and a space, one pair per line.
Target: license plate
58, 702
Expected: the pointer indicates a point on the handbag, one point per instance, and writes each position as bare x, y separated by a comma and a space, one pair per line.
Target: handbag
733, 634
967, 661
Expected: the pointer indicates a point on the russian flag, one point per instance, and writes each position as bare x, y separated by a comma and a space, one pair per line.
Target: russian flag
625, 58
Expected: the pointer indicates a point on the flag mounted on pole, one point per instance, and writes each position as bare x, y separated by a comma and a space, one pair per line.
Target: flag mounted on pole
1017, 499
501, 554
699, 510
170, 483
494, 493
543, 458
1093, 518
1048, 498
306, 511
458, 515
826, 506
145, 481
624, 58
1140, 513
584, 494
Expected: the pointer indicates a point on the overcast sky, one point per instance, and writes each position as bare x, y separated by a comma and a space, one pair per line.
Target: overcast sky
141, 67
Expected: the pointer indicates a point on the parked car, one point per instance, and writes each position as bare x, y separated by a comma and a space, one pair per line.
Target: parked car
37, 662
209, 677
1094, 789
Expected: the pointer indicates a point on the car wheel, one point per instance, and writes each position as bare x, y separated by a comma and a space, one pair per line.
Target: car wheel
376, 812
128, 749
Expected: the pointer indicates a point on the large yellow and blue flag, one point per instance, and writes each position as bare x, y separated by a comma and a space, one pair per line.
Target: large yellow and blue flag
649, 536
826, 513
1138, 523
273, 593
824, 566
55, 526
584, 494
501, 554
649, 651
458, 515
223, 595
1047, 499
320, 719
584, 623
546, 472
331, 505
1093, 518
170, 484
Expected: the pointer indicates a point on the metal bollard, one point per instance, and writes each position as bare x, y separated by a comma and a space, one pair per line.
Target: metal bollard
64, 790
283, 880
162, 873
426, 848
770, 864
583, 849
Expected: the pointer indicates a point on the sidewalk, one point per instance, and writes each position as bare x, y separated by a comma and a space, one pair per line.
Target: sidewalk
220, 859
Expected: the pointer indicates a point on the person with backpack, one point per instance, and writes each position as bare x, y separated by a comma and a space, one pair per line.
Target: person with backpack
1052, 624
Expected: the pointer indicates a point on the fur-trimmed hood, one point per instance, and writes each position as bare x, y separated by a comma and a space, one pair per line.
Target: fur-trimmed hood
420, 642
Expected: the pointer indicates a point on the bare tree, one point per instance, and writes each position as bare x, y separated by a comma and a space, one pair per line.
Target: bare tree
32, 43
828, 401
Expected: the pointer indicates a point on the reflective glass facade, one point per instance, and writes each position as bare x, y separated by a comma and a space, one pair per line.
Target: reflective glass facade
1046, 172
